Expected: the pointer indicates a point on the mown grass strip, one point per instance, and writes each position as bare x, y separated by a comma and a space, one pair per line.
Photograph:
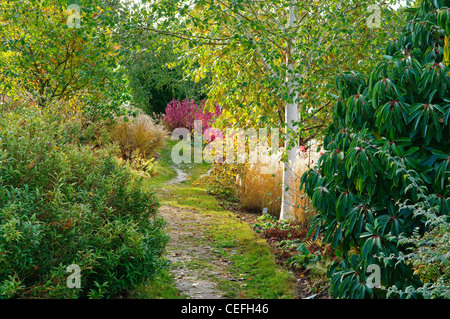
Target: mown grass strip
163, 286
252, 260
235, 240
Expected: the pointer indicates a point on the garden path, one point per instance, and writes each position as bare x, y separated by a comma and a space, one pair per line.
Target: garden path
195, 266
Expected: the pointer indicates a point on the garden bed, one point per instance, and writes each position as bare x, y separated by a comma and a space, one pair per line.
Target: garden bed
287, 241
305, 258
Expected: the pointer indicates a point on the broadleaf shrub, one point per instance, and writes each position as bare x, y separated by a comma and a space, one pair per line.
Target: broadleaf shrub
388, 144
62, 203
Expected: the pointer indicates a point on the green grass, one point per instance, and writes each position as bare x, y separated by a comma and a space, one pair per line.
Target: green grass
163, 168
162, 286
251, 257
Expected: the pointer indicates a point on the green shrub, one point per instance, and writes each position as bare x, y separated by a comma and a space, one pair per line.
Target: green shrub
387, 145
62, 204
428, 255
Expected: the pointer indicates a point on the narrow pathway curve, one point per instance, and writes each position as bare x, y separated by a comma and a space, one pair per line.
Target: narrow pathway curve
181, 176
213, 253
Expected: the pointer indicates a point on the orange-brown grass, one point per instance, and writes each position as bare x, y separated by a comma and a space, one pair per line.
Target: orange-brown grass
257, 191
140, 136
302, 204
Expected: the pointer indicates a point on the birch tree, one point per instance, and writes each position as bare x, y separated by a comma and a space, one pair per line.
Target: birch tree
295, 45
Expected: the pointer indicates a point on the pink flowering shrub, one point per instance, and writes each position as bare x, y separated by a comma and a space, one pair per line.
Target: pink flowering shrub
184, 113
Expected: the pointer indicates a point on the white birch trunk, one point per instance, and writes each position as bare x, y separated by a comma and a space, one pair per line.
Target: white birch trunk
291, 115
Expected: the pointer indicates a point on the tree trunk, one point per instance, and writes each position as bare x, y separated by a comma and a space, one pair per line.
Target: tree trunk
287, 199
291, 116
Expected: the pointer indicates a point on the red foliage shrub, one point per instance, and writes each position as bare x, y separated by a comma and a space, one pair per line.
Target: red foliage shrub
184, 113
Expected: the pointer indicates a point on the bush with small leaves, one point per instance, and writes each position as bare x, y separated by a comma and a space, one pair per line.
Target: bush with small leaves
428, 255
62, 203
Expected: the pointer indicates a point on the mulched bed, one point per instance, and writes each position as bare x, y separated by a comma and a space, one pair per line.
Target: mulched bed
307, 287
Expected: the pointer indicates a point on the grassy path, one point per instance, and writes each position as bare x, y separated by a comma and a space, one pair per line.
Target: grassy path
212, 253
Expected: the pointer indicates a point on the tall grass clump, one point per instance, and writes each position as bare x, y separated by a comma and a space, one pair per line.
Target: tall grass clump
256, 188
257, 191
139, 136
